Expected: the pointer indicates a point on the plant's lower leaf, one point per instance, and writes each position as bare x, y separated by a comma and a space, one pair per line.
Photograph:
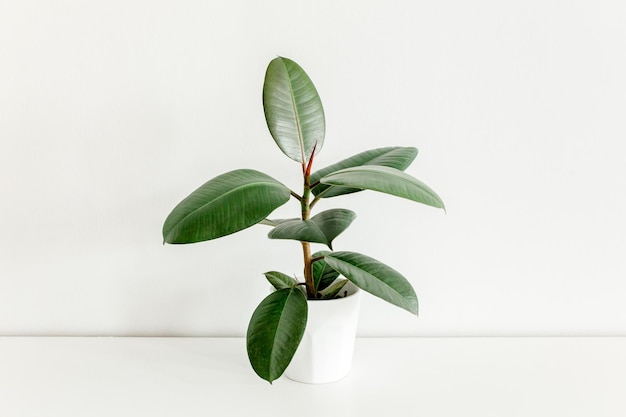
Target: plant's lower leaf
280, 280
385, 180
226, 204
321, 228
375, 277
323, 275
333, 289
275, 331
394, 157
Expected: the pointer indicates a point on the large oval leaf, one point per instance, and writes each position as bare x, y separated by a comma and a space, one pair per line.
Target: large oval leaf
226, 204
375, 277
386, 180
275, 331
394, 157
321, 228
293, 109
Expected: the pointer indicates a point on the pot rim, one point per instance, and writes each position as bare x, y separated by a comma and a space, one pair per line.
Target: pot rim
351, 288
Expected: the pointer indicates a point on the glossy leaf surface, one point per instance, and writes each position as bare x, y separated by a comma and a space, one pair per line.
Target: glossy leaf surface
393, 157
323, 275
375, 277
385, 180
280, 280
226, 204
275, 331
293, 109
321, 228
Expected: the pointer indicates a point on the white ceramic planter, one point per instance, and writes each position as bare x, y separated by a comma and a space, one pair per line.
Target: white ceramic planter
325, 352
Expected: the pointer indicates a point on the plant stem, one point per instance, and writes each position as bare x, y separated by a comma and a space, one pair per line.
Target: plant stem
306, 246
317, 197
308, 270
296, 196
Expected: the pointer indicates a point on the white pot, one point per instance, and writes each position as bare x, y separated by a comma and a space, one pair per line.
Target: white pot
325, 352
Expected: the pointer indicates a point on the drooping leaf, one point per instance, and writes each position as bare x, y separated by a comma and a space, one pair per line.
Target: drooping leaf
393, 157
280, 280
323, 275
385, 180
321, 228
293, 110
226, 204
375, 277
275, 331
333, 289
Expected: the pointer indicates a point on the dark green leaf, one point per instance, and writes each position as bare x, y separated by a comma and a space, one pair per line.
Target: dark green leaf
293, 109
224, 205
321, 228
386, 180
275, 331
375, 277
323, 275
333, 289
393, 157
280, 280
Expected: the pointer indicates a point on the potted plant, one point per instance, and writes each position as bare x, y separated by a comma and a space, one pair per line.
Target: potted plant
242, 198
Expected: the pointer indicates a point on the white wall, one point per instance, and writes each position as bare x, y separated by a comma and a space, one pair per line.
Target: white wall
111, 112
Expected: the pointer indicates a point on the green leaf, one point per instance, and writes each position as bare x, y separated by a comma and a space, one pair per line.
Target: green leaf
323, 275
386, 180
280, 280
321, 228
333, 290
293, 110
275, 331
226, 204
375, 277
393, 157
275, 222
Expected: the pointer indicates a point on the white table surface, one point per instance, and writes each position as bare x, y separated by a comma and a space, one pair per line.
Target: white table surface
458, 377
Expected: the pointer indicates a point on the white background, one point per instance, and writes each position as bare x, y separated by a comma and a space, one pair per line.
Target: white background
112, 112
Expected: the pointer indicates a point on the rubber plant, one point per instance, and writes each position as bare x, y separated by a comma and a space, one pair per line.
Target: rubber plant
242, 198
